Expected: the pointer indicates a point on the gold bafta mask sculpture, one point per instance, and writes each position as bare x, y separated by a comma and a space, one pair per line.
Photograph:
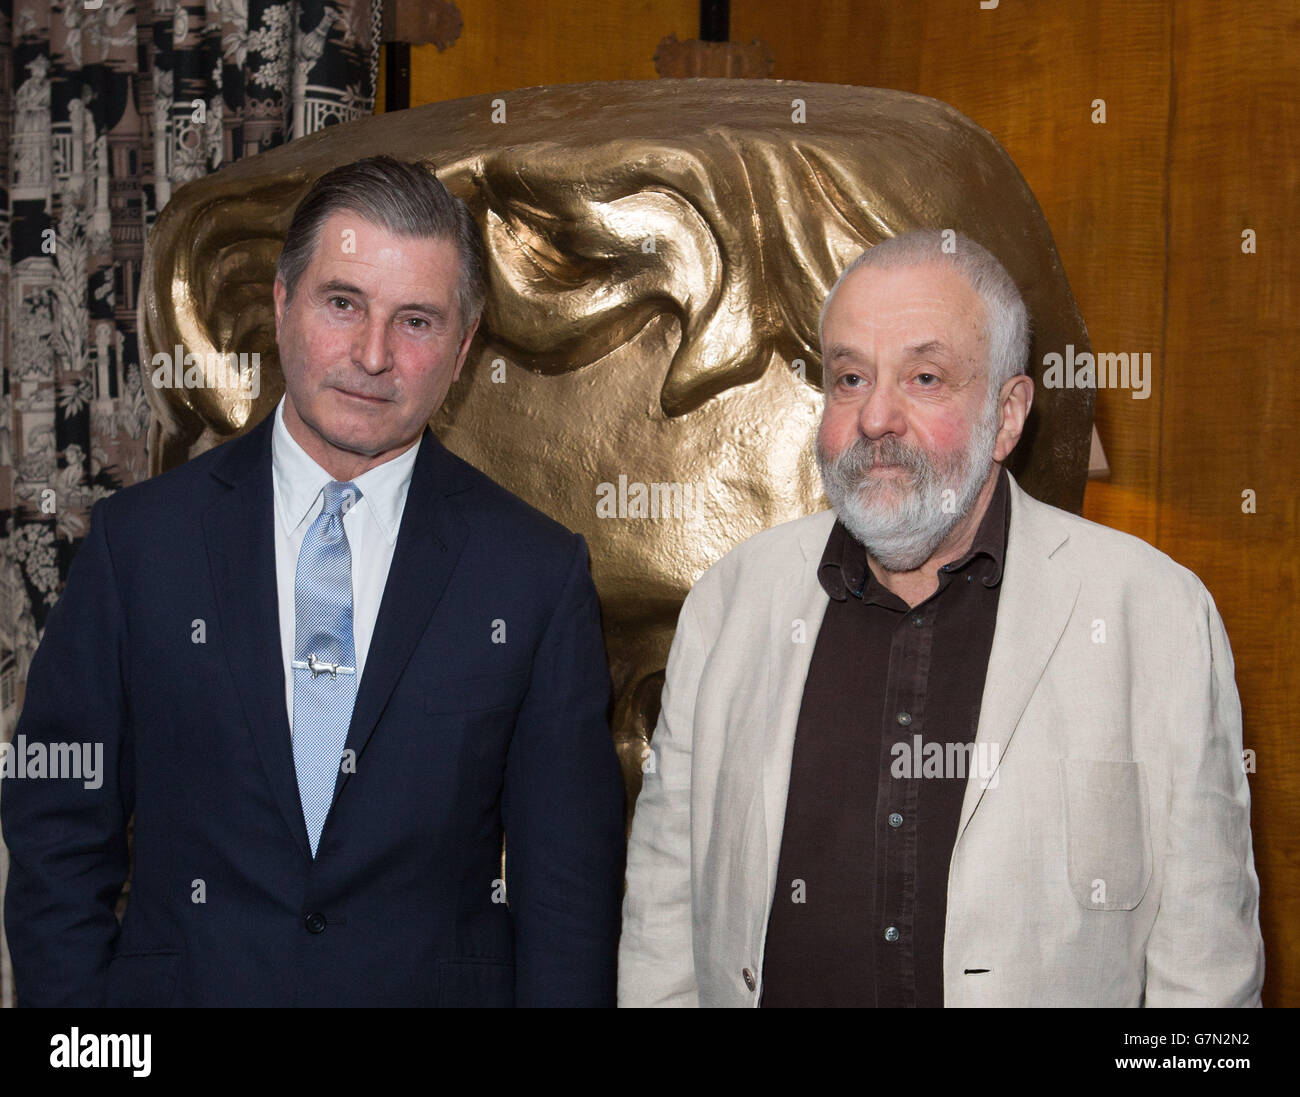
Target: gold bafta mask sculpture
647, 371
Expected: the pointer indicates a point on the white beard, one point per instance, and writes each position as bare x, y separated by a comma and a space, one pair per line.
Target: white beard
902, 534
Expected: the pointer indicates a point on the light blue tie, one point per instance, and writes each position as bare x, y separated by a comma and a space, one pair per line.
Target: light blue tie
324, 665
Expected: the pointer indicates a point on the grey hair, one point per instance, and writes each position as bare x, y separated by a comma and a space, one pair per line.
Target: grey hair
402, 198
1006, 320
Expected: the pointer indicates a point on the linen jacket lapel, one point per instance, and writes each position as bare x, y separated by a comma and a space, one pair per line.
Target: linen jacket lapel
1037, 598
803, 600
1035, 604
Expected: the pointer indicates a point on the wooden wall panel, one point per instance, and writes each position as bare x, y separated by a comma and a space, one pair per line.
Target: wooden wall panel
1231, 399
520, 43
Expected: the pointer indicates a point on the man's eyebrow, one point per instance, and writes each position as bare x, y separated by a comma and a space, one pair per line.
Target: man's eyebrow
930, 346
839, 352
336, 285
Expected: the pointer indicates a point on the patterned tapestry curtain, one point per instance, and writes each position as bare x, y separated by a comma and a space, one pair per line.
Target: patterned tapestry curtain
105, 107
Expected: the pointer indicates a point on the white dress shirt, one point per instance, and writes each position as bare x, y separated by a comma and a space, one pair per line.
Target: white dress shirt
371, 528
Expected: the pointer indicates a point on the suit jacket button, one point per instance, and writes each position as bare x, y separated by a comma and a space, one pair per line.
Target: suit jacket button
749, 979
315, 922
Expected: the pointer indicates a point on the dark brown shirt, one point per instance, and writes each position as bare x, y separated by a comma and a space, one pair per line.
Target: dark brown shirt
872, 813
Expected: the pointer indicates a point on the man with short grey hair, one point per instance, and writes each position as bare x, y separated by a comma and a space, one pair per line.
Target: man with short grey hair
942, 744
330, 665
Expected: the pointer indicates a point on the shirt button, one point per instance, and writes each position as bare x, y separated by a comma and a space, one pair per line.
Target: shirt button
315, 922
891, 934
750, 982
970, 578
895, 820
904, 718
918, 621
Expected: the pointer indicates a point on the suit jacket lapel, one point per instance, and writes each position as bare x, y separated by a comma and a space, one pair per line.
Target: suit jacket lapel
1038, 595
429, 543
239, 534
240, 537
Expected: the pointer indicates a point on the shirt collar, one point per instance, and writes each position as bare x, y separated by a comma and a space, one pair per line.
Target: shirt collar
991, 537
844, 570
299, 481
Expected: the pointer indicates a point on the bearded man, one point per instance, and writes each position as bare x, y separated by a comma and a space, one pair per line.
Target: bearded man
942, 744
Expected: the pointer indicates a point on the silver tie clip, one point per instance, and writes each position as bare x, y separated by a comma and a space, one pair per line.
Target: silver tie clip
319, 667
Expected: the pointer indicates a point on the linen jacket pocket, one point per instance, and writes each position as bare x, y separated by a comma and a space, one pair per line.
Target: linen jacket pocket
1107, 835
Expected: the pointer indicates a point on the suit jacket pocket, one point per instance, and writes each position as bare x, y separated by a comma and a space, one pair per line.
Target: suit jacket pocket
477, 982
146, 979
1108, 843
490, 691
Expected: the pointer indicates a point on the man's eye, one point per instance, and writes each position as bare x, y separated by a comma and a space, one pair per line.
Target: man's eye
417, 321
340, 302
927, 379
850, 380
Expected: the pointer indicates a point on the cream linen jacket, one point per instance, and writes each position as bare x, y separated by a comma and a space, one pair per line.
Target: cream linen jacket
1106, 862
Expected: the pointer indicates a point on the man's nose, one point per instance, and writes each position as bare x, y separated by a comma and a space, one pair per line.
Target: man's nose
881, 412
371, 348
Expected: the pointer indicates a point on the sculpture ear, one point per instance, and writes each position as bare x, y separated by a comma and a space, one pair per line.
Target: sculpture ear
205, 288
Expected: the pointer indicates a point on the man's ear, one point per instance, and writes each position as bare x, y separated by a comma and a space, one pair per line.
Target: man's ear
1014, 401
463, 353
280, 295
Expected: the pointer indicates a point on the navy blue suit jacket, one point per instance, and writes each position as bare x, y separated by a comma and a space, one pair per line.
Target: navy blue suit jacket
457, 737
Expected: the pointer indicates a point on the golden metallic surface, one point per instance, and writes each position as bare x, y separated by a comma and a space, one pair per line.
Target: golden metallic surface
658, 255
